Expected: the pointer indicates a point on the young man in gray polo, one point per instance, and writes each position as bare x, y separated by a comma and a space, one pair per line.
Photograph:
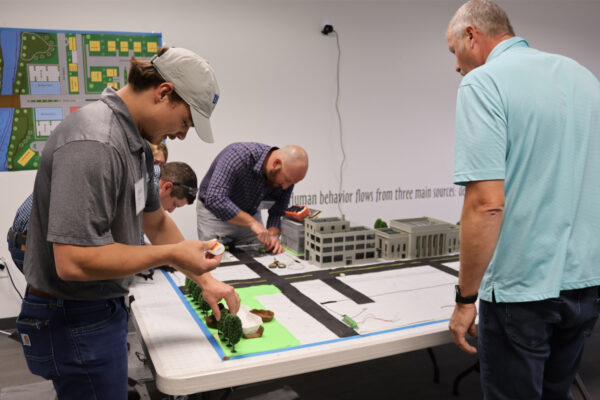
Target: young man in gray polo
93, 194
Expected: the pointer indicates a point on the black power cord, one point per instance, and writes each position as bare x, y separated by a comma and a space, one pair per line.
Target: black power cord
327, 29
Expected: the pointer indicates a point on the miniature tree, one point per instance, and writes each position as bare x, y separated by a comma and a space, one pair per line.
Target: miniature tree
196, 293
380, 223
189, 285
221, 322
203, 305
232, 330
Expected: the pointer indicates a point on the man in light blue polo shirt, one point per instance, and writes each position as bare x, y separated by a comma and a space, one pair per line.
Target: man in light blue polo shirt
528, 151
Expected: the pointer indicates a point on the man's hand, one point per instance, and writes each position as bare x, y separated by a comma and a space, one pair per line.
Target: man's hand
266, 238
190, 256
274, 246
461, 322
213, 291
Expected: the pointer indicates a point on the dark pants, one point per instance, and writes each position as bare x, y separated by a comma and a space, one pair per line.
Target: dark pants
532, 350
80, 345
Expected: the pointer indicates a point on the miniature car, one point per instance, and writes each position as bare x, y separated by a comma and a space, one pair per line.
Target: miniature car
277, 264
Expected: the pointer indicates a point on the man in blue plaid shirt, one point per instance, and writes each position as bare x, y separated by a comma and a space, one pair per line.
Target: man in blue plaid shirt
243, 179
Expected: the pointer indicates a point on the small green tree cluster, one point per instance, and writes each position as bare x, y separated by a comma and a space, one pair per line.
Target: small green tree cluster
380, 223
195, 292
189, 284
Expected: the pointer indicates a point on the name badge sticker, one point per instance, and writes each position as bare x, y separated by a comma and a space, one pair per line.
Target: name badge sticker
140, 196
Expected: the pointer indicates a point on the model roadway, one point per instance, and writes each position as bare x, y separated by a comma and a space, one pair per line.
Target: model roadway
328, 276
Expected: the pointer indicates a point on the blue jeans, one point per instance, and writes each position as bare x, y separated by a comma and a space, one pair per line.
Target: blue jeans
532, 350
80, 345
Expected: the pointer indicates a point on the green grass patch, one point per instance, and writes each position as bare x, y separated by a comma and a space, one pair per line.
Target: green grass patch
275, 335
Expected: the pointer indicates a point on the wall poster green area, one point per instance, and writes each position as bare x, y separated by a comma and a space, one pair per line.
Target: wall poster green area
45, 75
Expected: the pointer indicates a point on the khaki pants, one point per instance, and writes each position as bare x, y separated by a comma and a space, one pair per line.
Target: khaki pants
211, 227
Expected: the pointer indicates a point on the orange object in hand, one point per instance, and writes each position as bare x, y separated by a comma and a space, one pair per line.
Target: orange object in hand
217, 249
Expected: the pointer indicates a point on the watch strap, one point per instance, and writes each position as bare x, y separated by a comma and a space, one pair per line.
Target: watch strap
464, 299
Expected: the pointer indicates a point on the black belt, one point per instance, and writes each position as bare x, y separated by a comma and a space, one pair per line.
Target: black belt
39, 293
20, 239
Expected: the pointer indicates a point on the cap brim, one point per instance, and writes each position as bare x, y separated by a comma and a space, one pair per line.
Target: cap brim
202, 126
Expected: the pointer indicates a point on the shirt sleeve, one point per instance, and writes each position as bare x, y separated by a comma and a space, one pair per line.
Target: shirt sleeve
153, 195
87, 179
481, 136
21, 220
278, 209
217, 199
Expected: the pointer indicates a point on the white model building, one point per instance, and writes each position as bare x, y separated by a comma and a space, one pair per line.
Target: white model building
331, 242
391, 243
418, 238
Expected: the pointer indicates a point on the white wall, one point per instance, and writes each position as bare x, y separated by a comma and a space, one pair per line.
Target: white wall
277, 78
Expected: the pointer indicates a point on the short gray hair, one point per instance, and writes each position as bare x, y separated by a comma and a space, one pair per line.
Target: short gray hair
486, 15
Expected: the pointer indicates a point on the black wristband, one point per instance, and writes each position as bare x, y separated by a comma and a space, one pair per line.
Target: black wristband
464, 300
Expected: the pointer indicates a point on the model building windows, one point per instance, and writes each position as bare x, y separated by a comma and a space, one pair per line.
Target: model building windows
370, 236
338, 248
338, 257
360, 246
326, 249
318, 239
349, 238
359, 256
370, 254
321, 229
349, 247
317, 258
326, 240
326, 259
339, 239
360, 237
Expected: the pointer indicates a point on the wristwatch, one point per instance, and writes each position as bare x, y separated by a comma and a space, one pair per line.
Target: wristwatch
464, 300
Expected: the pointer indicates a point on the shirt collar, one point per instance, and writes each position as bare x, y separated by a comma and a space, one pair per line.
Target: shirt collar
258, 167
119, 108
513, 42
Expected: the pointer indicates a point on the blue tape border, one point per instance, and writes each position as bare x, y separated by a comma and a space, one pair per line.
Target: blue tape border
220, 352
197, 318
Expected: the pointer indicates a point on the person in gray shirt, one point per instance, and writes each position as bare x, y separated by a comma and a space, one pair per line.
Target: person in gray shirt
93, 193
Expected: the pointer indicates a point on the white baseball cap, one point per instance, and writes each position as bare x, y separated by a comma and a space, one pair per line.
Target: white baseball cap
194, 81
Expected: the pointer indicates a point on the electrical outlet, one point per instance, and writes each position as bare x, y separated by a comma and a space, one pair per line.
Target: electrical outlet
327, 29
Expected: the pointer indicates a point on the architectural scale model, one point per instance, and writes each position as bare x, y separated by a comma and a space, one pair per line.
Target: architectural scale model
292, 235
332, 242
419, 237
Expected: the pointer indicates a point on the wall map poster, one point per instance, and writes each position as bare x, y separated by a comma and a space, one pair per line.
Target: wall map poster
45, 75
